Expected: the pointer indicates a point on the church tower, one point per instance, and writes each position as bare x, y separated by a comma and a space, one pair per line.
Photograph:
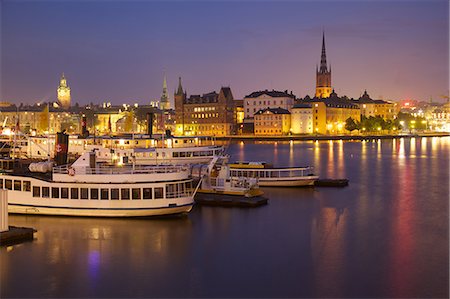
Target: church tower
164, 103
63, 93
323, 75
179, 100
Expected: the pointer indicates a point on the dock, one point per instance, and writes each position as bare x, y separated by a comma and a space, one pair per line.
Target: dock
230, 201
16, 235
331, 183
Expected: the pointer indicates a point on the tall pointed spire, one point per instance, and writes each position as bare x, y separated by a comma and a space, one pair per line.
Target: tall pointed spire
164, 103
180, 88
323, 58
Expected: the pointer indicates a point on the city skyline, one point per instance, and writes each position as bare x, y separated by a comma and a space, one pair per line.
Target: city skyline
119, 51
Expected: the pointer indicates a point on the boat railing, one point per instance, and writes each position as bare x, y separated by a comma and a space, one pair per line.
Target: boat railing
106, 170
272, 172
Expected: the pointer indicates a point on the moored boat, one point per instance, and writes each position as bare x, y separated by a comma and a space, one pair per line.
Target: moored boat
268, 176
89, 188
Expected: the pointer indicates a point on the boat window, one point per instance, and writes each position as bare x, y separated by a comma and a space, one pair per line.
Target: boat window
124, 194
36, 191
196, 154
8, 184
181, 190
1, 183
171, 191
175, 154
74, 193
115, 194
94, 193
104, 194
183, 154
55, 192
159, 192
261, 174
136, 193
64, 192
17, 185
147, 193
27, 186
84, 193
46, 192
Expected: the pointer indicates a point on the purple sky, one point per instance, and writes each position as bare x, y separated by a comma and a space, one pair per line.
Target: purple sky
118, 51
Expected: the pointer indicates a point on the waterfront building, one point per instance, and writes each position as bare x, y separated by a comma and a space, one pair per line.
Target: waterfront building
323, 75
210, 114
267, 99
370, 107
272, 122
330, 114
302, 119
63, 93
164, 103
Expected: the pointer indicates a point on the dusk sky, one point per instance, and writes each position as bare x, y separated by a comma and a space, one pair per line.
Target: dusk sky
118, 51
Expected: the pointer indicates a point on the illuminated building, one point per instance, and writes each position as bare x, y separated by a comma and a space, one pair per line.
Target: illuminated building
330, 114
302, 119
63, 93
211, 114
323, 75
267, 99
381, 108
272, 121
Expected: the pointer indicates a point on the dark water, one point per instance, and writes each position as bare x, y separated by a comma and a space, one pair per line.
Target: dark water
386, 235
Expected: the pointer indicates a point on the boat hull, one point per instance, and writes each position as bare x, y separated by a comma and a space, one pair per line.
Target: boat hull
97, 212
287, 182
227, 200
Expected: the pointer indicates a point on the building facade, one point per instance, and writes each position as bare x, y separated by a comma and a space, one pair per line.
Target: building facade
323, 75
210, 114
370, 107
259, 100
302, 119
272, 122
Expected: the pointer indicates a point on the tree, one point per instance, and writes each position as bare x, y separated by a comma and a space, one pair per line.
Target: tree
350, 124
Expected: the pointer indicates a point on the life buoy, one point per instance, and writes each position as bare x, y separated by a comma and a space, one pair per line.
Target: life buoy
71, 171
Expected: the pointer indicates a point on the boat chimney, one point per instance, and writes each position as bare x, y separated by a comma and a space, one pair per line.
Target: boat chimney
61, 148
84, 131
92, 160
150, 124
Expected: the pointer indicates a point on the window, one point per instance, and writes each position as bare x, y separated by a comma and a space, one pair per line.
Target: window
104, 194
36, 191
64, 192
171, 190
27, 186
124, 194
115, 194
8, 184
136, 193
94, 193
74, 193
159, 192
1, 183
147, 193
46, 192
55, 192
17, 185
84, 193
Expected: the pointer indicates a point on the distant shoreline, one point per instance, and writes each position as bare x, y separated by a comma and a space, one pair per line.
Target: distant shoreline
330, 137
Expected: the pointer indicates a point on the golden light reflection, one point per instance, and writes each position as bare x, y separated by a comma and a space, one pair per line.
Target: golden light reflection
340, 160
330, 168
412, 146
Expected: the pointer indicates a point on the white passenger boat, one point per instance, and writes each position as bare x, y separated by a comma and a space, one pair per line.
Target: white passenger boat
274, 177
88, 188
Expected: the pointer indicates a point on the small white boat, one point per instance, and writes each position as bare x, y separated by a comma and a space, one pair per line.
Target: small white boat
219, 181
88, 188
268, 176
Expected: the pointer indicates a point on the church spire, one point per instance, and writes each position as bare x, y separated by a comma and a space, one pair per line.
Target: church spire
164, 102
323, 58
180, 88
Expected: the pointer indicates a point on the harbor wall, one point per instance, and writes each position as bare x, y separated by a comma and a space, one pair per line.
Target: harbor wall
3, 210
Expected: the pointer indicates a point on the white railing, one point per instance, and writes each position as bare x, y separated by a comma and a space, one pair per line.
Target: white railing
106, 170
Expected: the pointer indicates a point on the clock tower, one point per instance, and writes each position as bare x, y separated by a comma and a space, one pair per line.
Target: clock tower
63, 93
